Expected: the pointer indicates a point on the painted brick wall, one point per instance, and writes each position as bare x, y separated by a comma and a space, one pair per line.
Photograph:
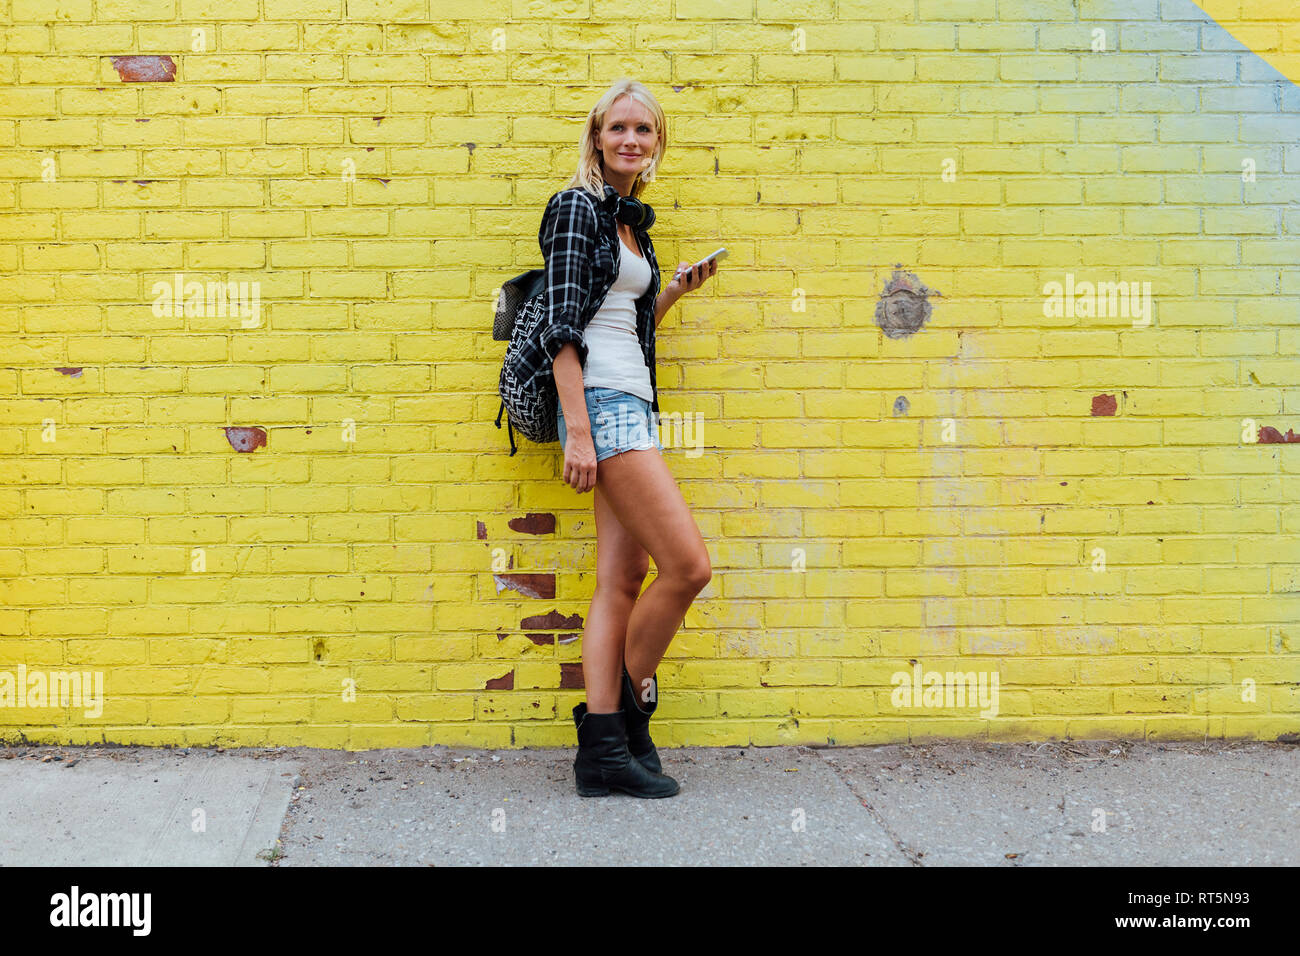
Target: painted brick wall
297, 524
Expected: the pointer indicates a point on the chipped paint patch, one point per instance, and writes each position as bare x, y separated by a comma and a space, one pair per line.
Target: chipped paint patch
533, 523
246, 438
901, 405
904, 305
540, 640
1268, 435
571, 677
145, 69
552, 620
1104, 405
505, 682
529, 585
70, 372
481, 532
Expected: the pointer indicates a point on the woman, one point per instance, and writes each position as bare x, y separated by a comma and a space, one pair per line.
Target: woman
604, 303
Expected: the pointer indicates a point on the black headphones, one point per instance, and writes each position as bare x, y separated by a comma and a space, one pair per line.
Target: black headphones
633, 212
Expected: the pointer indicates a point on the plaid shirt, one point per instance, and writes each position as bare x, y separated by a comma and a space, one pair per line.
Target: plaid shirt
579, 240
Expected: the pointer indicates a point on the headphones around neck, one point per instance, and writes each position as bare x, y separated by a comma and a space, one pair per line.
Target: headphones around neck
634, 212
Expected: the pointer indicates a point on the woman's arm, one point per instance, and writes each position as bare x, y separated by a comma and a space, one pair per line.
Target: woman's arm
568, 383
663, 302
579, 449
566, 237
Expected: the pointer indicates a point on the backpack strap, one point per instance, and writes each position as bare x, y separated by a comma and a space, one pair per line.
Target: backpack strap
510, 431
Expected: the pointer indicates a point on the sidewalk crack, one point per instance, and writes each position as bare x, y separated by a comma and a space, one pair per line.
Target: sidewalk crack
910, 854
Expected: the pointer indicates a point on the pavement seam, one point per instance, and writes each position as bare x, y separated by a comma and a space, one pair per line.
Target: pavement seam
286, 823
909, 854
240, 858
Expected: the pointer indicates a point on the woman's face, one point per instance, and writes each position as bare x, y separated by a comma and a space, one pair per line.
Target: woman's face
628, 139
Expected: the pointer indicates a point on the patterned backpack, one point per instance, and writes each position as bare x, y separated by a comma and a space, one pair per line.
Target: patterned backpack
528, 395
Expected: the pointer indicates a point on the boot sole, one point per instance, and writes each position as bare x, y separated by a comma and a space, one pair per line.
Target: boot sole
649, 796
587, 790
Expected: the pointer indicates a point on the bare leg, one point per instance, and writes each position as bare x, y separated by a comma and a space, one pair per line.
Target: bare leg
621, 568
643, 496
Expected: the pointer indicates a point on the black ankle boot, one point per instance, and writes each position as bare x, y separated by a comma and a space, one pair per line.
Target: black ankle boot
637, 716
604, 763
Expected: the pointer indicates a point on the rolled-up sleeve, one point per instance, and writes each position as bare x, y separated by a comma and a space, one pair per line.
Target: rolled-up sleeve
567, 237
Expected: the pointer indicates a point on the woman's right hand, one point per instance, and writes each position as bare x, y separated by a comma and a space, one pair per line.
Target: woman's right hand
579, 461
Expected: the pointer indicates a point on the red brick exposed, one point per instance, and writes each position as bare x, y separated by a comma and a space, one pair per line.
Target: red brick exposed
145, 69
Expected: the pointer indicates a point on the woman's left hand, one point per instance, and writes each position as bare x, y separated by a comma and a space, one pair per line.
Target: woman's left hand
688, 279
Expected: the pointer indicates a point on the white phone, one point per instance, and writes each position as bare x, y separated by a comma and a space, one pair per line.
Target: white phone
719, 254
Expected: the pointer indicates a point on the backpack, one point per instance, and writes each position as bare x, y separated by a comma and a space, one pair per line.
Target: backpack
528, 395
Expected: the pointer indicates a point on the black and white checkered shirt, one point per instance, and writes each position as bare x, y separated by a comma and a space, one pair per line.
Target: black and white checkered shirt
579, 240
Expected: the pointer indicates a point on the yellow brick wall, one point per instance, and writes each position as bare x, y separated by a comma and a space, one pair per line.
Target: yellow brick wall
299, 525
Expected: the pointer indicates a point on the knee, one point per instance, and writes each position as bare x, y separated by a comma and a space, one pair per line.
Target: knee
629, 580
698, 572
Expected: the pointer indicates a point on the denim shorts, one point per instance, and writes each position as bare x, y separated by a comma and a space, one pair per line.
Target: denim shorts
620, 421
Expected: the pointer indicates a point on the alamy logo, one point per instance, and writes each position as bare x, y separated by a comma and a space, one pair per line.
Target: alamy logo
212, 299
83, 689
1084, 300
940, 689
102, 909
629, 429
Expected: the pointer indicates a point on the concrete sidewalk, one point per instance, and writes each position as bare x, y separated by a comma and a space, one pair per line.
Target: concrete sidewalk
1037, 804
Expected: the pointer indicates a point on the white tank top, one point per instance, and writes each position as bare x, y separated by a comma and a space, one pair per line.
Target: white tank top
614, 358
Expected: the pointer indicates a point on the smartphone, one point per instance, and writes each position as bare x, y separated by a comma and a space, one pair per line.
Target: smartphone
719, 254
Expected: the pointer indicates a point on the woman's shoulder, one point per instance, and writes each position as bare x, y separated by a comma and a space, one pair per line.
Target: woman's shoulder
573, 206
572, 216
574, 195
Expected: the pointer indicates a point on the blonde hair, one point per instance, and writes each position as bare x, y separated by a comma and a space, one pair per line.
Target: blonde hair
588, 174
